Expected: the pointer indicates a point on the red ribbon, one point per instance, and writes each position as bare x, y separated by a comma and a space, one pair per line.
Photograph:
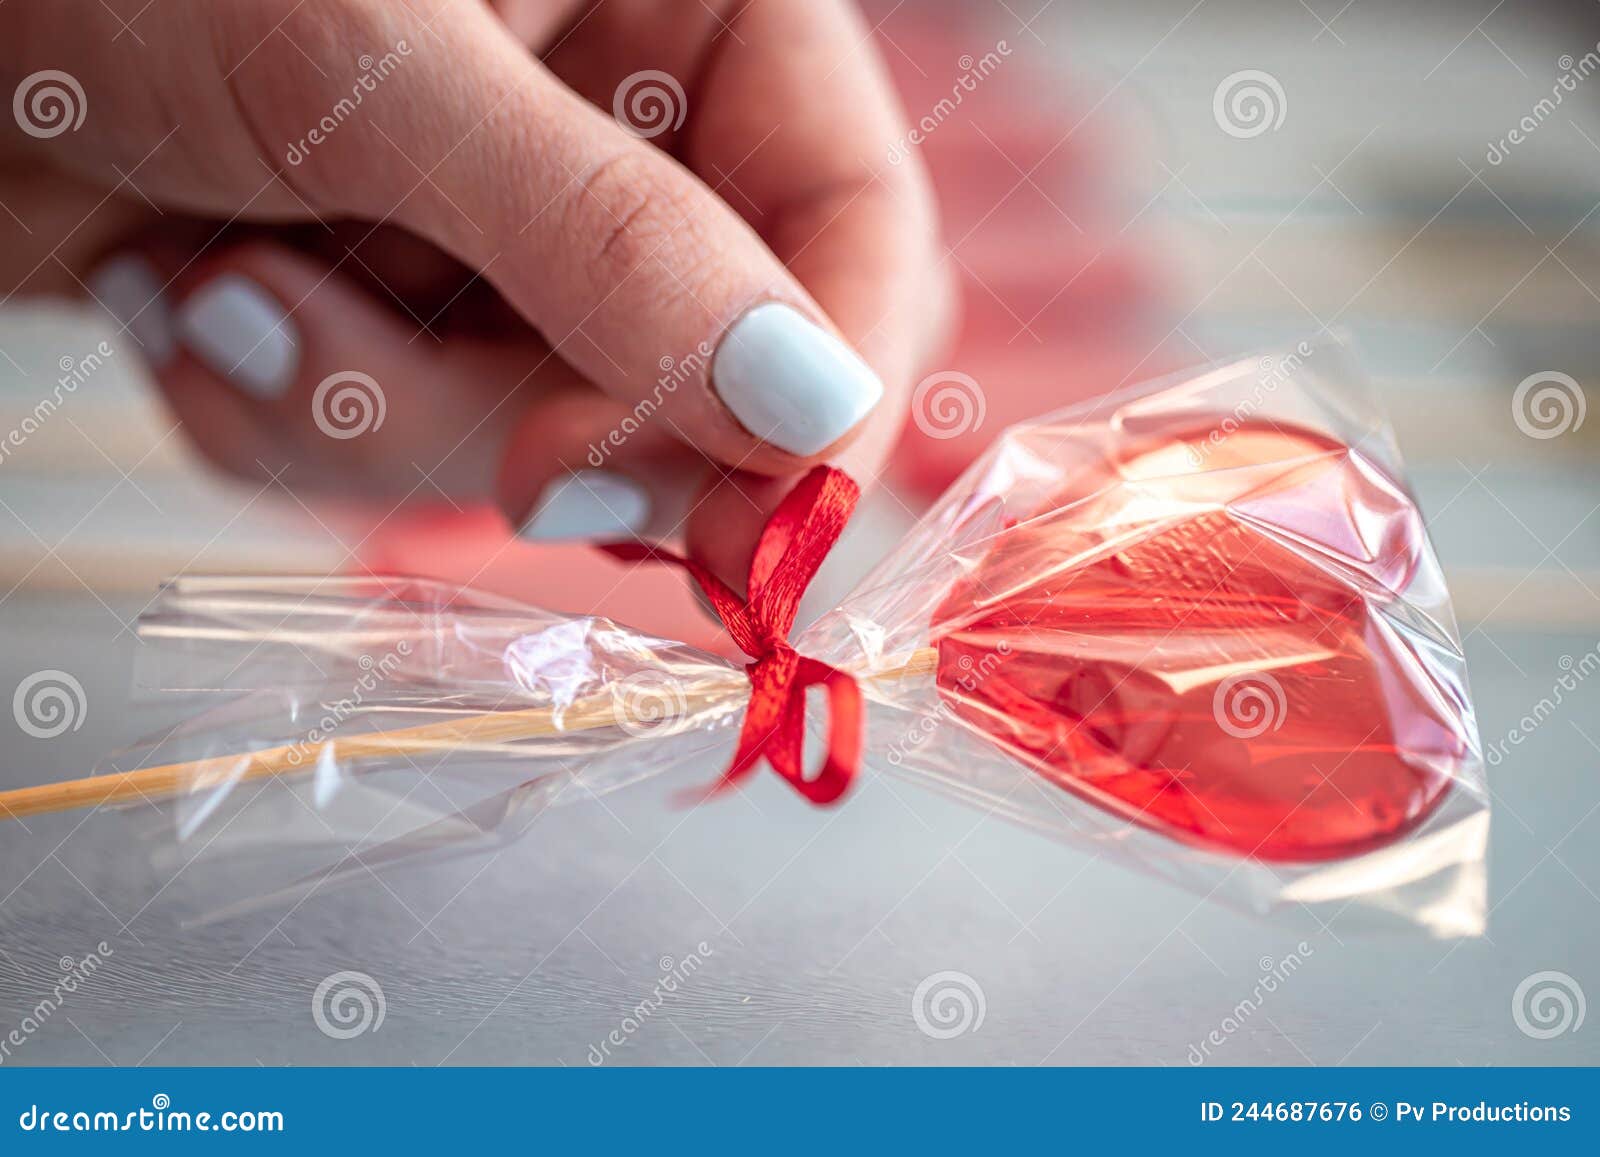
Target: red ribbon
793, 544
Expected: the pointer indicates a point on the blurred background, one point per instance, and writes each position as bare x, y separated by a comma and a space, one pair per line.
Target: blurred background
1126, 190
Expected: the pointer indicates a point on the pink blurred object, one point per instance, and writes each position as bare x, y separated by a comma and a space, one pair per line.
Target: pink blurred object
475, 547
1061, 300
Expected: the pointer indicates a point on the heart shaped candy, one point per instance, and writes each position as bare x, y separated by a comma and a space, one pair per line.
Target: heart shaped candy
1191, 636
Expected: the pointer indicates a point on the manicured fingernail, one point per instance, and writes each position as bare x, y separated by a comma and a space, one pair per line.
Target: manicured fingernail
588, 505
241, 332
129, 289
790, 382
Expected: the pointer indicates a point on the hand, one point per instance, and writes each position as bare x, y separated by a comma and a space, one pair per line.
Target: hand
602, 328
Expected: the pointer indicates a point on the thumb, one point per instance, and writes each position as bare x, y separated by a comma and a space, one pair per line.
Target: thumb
623, 259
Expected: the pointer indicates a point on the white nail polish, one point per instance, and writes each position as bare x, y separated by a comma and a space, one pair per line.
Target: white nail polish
586, 506
129, 289
241, 332
790, 382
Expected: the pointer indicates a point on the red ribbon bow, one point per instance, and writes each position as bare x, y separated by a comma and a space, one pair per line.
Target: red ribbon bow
793, 544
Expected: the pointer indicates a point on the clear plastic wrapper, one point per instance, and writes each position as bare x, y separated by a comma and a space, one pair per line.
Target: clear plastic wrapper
1197, 626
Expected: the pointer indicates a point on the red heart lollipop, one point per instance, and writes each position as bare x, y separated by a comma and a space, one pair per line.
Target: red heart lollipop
1188, 637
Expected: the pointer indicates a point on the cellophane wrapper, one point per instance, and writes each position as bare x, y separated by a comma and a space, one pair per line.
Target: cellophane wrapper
1120, 487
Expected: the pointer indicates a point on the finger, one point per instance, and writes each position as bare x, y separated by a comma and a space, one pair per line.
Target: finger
800, 117
858, 231
280, 368
440, 121
534, 22
794, 123
616, 253
582, 467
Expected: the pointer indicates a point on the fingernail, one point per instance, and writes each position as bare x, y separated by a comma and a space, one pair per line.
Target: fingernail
790, 382
588, 505
129, 289
241, 332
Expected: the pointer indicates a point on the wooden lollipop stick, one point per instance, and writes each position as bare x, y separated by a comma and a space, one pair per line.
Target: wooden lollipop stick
488, 732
